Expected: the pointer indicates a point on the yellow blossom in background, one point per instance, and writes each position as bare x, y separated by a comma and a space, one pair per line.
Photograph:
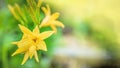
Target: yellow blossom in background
31, 42
50, 19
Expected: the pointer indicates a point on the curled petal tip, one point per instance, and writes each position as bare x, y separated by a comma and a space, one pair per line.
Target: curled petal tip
42, 8
54, 32
22, 63
13, 54
14, 42
19, 25
45, 49
9, 6
63, 26
37, 60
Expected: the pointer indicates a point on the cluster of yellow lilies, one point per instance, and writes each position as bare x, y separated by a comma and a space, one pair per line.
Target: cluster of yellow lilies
32, 41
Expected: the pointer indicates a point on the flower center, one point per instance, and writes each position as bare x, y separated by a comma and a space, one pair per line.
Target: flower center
35, 39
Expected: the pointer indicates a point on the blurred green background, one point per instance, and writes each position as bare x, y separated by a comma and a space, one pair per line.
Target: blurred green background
90, 39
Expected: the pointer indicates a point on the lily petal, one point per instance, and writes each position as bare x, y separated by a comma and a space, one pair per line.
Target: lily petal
36, 56
14, 42
45, 34
54, 28
45, 22
25, 30
25, 58
46, 10
42, 46
36, 30
20, 50
58, 23
32, 50
22, 42
54, 16
23, 46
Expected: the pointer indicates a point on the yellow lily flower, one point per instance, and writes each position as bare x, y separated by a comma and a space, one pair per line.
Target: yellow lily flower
31, 42
50, 19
